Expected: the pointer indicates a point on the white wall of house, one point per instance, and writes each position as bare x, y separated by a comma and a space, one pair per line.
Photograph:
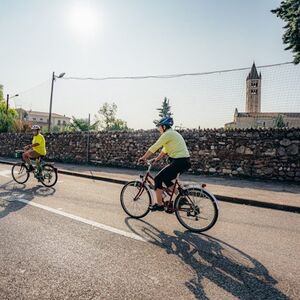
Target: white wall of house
42, 120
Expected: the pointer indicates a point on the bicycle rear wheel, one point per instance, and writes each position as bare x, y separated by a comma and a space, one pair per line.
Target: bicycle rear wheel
196, 210
135, 199
20, 173
48, 175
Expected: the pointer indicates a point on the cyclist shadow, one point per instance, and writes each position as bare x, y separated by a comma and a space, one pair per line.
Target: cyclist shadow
211, 259
12, 195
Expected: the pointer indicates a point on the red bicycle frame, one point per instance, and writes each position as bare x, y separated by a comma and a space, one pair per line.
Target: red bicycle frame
148, 179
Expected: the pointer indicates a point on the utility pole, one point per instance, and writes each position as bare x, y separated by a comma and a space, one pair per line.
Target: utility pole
51, 97
88, 140
7, 101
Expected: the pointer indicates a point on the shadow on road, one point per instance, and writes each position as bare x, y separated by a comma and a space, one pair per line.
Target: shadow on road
10, 192
213, 260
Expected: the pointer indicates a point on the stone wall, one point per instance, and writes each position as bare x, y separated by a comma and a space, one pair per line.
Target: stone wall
272, 154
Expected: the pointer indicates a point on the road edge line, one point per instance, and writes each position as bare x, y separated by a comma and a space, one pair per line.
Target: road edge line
83, 220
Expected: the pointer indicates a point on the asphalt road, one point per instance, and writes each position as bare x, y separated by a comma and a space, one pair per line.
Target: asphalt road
75, 242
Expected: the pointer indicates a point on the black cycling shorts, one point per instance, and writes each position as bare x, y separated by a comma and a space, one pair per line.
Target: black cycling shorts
170, 172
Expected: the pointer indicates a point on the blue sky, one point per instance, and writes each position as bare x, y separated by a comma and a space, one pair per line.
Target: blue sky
137, 37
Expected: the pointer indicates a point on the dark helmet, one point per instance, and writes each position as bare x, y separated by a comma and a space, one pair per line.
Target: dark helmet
166, 121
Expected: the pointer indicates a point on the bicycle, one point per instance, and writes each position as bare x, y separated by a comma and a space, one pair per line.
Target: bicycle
45, 173
195, 207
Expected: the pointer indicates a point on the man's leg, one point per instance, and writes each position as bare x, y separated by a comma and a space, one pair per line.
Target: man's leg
28, 155
158, 193
158, 180
172, 171
166, 175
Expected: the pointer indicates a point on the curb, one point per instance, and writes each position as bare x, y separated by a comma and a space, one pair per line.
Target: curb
262, 204
90, 176
234, 200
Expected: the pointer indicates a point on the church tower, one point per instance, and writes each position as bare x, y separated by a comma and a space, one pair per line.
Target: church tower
253, 91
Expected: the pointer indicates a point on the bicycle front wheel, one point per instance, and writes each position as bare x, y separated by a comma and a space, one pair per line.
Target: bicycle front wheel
20, 173
135, 199
48, 175
196, 210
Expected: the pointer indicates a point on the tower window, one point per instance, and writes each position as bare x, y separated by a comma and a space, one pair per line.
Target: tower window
254, 84
254, 92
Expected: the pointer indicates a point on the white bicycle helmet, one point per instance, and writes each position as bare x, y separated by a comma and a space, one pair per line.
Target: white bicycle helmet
36, 127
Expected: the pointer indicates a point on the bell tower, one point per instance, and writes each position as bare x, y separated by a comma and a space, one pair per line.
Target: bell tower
253, 91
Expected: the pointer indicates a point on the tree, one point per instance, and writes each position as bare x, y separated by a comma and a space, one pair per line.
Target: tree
80, 125
119, 124
107, 118
164, 110
107, 115
289, 11
7, 117
55, 129
1, 92
279, 123
22, 126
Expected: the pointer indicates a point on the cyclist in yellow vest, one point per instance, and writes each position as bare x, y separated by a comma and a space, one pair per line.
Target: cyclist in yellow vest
173, 145
37, 148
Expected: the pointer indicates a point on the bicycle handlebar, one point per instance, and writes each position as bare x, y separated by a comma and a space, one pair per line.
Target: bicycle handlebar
19, 151
150, 161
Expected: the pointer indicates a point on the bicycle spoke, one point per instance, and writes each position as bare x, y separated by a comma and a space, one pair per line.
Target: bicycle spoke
19, 173
135, 199
196, 211
48, 175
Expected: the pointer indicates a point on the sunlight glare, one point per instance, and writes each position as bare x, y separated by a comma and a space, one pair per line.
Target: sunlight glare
83, 20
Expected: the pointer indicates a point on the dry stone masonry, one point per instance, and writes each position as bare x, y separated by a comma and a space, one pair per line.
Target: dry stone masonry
269, 154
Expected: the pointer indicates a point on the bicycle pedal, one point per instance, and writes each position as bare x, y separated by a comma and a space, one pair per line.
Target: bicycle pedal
168, 207
169, 210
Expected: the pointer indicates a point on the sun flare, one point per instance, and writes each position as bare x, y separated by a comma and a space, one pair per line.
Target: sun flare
83, 20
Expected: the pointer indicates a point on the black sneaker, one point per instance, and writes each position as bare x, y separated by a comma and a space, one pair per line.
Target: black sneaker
30, 168
157, 207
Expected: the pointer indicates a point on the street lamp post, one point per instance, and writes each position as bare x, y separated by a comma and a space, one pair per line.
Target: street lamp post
51, 97
7, 101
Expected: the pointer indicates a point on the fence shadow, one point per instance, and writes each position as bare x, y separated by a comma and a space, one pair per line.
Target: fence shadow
212, 259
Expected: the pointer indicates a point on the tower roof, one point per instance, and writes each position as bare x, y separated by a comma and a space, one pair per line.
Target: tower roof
253, 73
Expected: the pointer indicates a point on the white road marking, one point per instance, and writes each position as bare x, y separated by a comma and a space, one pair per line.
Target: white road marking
83, 220
5, 173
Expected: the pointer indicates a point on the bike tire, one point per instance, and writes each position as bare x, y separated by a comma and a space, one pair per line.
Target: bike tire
208, 197
23, 168
54, 171
138, 188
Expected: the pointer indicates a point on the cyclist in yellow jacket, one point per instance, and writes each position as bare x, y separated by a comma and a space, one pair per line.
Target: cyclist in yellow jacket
173, 145
37, 148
